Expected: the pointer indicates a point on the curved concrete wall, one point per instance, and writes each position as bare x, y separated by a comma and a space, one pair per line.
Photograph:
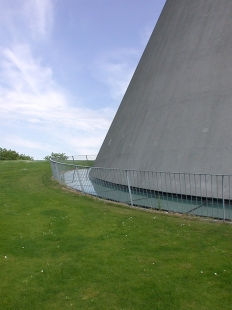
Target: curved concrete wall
176, 115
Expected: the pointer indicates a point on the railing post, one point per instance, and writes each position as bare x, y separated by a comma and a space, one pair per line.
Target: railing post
223, 200
57, 171
79, 179
129, 188
74, 168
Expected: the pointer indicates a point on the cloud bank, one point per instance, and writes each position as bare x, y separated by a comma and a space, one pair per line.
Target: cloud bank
32, 102
39, 115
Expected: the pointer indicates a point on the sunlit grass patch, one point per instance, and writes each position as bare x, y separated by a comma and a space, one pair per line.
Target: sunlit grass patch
61, 250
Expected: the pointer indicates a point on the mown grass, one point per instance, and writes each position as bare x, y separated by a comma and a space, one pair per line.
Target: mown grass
61, 250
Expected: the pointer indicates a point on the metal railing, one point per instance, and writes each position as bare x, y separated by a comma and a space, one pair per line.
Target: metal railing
197, 194
75, 159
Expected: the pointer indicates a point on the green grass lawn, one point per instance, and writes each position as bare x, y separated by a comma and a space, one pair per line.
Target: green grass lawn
62, 250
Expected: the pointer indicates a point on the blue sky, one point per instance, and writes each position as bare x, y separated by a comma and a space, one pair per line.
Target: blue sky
64, 68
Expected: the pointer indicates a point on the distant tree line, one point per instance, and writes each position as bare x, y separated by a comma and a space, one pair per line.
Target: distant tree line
62, 156
13, 155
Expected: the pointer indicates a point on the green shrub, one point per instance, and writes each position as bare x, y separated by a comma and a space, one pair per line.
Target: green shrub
12, 155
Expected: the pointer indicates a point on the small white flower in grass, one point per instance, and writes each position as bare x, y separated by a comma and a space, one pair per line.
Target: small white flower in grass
41, 271
22, 247
215, 273
201, 271
5, 256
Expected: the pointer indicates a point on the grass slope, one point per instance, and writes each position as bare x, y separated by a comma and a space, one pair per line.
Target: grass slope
60, 250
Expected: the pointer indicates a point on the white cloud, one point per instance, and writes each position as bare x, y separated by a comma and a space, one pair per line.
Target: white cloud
39, 14
20, 142
23, 72
26, 19
36, 109
115, 69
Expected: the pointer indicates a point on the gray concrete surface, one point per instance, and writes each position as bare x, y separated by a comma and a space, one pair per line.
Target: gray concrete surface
176, 115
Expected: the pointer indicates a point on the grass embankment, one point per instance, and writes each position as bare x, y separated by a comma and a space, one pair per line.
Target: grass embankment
60, 250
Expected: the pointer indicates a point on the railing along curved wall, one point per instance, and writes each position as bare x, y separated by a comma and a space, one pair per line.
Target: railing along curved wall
197, 194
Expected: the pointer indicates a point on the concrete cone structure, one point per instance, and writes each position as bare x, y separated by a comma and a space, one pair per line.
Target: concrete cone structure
176, 115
